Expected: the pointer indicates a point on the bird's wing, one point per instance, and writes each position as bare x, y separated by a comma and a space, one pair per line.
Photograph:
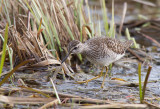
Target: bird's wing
117, 46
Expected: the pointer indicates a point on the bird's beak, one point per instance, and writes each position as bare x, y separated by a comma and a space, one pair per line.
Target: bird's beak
65, 57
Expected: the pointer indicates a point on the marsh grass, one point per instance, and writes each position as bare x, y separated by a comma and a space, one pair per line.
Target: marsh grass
145, 81
9, 74
40, 28
143, 90
140, 83
50, 25
4, 48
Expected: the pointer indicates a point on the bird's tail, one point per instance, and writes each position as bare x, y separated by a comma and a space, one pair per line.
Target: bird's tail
128, 44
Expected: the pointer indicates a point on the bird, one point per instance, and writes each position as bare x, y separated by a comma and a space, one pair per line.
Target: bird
100, 50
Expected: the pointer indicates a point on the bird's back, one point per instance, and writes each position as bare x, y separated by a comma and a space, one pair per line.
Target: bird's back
104, 50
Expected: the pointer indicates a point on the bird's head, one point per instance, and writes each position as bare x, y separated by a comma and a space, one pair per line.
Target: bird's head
74, 47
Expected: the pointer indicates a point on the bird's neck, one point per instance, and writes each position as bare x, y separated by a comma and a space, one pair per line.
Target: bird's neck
84, 47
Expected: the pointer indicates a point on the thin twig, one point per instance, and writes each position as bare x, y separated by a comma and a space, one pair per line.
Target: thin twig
123, 17
54, 88
28, 18
67, 6
133, 53
117, 106
145, 2
22, 82
150, 38
91, 101
153, 106
9, 90
49, 104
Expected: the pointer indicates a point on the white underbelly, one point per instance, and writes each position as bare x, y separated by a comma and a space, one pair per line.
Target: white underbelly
108, 60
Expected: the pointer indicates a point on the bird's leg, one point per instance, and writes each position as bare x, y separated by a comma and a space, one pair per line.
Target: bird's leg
104, 77
101, 73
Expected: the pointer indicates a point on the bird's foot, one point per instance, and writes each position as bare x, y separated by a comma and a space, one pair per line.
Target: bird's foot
81, 82
102, 86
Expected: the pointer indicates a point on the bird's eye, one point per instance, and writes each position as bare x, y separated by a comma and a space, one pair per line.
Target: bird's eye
75, 48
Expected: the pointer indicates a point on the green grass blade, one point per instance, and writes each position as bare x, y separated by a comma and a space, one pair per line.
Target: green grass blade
10, 52
90, 21
145, 81
140, 84
55, 34
37, 91
7, 12
4, 48
135, 45
99, 27
30, 8
110, 69
12, 71
112, 27
105, 19
88, 10
66, 25
79, 19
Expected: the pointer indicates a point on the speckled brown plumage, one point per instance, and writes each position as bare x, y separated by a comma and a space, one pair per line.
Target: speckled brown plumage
100, 50
112, 44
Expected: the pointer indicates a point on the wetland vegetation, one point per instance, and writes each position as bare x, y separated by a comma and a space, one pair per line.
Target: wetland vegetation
34, 35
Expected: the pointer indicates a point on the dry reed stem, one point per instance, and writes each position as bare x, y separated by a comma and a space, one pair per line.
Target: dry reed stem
45, 106
116, 105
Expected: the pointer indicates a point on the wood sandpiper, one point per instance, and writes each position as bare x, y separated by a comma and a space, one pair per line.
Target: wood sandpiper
99, 50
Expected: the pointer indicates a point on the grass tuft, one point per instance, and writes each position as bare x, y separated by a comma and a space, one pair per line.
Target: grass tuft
135, 45
142, 92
